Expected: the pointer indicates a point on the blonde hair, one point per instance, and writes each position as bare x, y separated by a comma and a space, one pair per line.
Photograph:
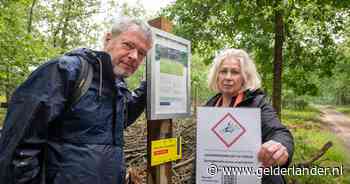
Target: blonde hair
251, 78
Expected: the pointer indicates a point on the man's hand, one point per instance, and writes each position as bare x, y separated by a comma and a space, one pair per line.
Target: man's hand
273, 153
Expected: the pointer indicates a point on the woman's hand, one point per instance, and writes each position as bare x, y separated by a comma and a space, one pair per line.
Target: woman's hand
273, 153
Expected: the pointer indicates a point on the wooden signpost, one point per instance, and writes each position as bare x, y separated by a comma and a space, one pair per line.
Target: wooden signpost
168, 90
158, 129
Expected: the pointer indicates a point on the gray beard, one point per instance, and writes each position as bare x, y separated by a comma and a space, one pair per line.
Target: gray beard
120, 73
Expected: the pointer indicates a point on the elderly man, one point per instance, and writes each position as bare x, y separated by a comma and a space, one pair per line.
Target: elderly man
49, 137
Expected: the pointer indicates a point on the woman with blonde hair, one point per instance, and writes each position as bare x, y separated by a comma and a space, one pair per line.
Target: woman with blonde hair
233, 76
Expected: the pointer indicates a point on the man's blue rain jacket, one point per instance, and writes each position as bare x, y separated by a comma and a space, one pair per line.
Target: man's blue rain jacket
74, 143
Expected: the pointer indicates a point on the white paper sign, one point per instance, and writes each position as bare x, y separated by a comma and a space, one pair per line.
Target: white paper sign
228, 141
168, 77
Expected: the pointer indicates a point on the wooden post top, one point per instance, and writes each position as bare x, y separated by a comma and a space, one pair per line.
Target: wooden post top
158, 129
161, 23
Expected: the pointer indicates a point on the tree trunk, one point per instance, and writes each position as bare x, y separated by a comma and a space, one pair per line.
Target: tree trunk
7, 90
278, 59
67, 8
195, 100
29, 28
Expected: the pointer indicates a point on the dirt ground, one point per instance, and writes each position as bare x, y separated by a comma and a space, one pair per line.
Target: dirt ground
338, 122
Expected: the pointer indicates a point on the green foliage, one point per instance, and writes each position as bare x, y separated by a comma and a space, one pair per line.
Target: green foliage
134, 80
19, 50
136, 10
68, 22
336, 89
309, 137
300, 117
32, 31
293, 101
344, 109
199, 82
310, 49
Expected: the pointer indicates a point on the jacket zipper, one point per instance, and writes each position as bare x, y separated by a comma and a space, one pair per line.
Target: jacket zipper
114, 116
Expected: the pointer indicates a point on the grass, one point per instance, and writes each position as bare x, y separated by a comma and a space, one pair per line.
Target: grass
295, 116
344, 109
309, 137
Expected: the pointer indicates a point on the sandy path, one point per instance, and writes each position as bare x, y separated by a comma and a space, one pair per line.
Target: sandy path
339, 123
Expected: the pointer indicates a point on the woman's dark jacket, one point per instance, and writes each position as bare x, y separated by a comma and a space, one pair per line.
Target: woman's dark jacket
80, 143
271, 127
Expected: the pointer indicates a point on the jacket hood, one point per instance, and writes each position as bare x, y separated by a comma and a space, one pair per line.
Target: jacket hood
93, 56
101, 62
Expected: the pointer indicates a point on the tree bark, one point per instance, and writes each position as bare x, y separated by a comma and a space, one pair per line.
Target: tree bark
67, 17
29, 28
7, 90
278, 60
195, 99
59, 31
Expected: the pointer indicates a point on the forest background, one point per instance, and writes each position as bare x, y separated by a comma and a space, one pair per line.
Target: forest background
301, 48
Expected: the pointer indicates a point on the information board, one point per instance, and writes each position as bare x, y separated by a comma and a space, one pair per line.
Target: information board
168, 77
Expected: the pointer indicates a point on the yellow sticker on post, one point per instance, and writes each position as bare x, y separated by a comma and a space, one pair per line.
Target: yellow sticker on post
165, 150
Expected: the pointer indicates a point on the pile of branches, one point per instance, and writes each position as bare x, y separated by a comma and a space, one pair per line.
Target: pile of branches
135, 151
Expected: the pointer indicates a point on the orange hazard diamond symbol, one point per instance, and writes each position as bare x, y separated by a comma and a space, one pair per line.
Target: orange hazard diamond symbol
228, 130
